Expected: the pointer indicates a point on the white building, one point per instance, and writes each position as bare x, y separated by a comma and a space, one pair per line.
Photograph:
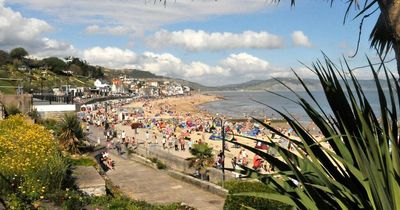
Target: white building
100, 84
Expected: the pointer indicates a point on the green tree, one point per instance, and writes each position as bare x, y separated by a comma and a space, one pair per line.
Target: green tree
84, 68
4, 57
55, 64
18, 53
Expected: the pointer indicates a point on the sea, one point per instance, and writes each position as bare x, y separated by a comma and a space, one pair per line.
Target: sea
241, 104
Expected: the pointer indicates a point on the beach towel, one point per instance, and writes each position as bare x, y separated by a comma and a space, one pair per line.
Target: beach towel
215, 137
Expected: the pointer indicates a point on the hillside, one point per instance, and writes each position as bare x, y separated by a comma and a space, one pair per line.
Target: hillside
274, 85
37, 82
113, 73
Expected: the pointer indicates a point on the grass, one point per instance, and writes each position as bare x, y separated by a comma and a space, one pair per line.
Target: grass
82, 161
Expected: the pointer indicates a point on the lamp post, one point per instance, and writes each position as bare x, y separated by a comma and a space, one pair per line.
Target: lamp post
220, 120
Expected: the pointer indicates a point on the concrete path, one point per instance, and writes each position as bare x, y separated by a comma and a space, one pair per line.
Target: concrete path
144, 183
155, 186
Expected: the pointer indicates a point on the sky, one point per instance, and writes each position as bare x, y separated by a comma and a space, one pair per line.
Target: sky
212, 42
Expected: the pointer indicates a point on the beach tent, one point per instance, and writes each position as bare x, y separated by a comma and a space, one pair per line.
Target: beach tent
261, 145
215, 137
136, 125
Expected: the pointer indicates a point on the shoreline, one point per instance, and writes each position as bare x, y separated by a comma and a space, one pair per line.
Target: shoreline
182, 105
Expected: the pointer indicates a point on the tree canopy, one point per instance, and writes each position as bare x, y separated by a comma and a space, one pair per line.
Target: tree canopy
4, 57
57, 65
18, 53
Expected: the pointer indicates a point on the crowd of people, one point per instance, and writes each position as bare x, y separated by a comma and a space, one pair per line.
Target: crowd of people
174, 130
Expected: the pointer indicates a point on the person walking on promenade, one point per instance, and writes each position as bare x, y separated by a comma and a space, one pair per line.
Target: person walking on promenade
190, 143
123, 136
147, 137
155, 137
164, 141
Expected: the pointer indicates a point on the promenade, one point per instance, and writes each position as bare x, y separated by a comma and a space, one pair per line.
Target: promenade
155, 186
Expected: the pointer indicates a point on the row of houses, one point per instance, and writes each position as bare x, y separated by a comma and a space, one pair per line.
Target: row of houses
148, 87
126, 86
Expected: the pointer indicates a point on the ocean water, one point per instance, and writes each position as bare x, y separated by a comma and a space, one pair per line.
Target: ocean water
237, 104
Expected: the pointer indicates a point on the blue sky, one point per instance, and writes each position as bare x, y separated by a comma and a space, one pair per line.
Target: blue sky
206, 41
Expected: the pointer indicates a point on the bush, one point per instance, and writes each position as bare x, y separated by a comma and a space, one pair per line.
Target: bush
234, 202
123, 202
31, 164
12, 110
159, 163
51, 124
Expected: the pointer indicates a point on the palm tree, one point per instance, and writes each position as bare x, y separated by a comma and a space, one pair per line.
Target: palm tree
202, 158
356, 165
70, 133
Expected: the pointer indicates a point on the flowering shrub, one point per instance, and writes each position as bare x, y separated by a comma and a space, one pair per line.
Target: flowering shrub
30, 163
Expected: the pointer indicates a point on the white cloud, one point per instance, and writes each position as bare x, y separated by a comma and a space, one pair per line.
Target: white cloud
233, 69
19, 31
138, 16
200, 40
301, 40
244, 63
16, 29
115, 30
109, 56
92, 29
50, 47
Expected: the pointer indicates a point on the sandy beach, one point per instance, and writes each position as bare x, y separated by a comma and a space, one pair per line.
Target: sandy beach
184, 106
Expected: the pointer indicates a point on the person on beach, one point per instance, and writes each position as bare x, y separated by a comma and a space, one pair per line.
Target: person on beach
182, 143
123, 136
126, 142
234, 163
176, 143
257, 162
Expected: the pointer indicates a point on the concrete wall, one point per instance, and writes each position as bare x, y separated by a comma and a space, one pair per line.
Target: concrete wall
180, 164
56, 108
55, 111
23, 102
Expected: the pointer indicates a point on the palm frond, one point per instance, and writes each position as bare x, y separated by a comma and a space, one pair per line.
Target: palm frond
356, 164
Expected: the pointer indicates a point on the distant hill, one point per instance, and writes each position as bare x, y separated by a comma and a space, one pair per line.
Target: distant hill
270, 84
274, 85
